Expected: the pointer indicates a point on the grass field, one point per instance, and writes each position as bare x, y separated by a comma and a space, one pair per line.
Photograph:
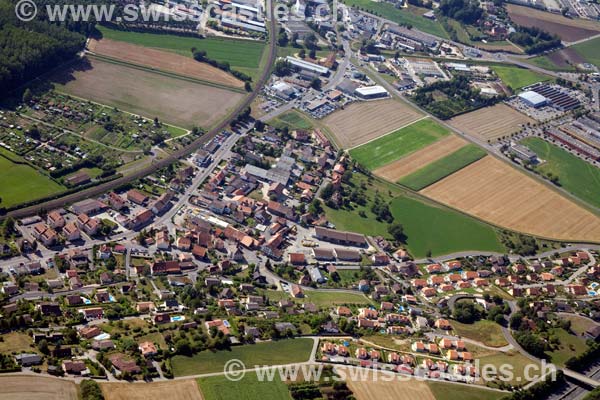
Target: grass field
516, 77
453, 231
20, 183
265, 353
484, 331
579, 324
569, 346
448, 391
16, 342
323, 299
242, 55
523, 204
411, 15
404, 141
575, 175
589, 51
292, 120
248, 388
40, 387
179, 389
443, 167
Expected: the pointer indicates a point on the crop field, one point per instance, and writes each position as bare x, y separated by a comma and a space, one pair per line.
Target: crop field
172, 100
21, 388
375, 388
242, 55
443, 167
20, 183
163, 60
566, 59
448, 391
574, 175
247, 388
272, 353
361, 122
420, 158
179, 389
395, 145
568, 29
496, 192
517, 77
491, 123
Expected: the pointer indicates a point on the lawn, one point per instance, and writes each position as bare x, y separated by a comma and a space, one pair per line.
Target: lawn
589, 51
427, 227
16, 342
243, 55
443, 167
484, 331
579, 325
397, 144
448, 391
265, 353
20, 183
511, 359
407, 16
516, 77
248, 388
569, 346
322, 299
292, 120
574, 175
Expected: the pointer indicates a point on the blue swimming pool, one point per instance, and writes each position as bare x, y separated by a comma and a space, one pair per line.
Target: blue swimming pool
177, 318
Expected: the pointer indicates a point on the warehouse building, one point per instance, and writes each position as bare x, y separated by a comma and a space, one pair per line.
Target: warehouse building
307, 66
533, 99
371, 92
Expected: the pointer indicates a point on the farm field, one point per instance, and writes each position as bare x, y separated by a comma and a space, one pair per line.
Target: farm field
20, 183
242, 55
524, 204
516, 77
443, 167
265, 353
179, 389
568, 29
484, 331
574, 174
490, 123
415, 161
382, 387
361, 122
404, 141
162, 60
21, 388
152, 95
248, 388
589, 51
454, 232
448, 391
558, 60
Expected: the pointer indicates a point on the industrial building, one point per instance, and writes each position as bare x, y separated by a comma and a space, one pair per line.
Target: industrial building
283, 90
371, 92
307, 66
533, 99
557, 98
523, 153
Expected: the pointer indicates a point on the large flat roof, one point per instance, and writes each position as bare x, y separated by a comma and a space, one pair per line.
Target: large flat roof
371, 90
533, 97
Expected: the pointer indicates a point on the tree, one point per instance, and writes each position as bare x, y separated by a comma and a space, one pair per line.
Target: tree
90, 390
315, 208
27, 96
247, 86
312, 53
282, 68
397, 231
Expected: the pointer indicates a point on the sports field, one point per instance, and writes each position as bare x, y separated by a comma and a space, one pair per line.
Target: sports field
20, 183
574, 175
163, 61
242, 55
264, 353
443, 167
498, 193
172, 100
179, 389
394, 146
420, 158
361, 122
516, 77
40, 387
491, 123
248, 388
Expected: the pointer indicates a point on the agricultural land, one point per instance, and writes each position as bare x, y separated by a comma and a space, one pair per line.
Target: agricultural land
180, 389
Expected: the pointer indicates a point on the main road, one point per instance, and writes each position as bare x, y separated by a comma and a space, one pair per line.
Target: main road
147, 170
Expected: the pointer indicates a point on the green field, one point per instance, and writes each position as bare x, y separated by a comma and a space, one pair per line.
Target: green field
569, 346
292, 120
247, 388
589, 51
448, 391
443, 167
322, 299
242, 55
546, 63
395, 145
516, 77
427, 227
405, 16
513, 358
20, 183
484, 331
574, 175
265, 353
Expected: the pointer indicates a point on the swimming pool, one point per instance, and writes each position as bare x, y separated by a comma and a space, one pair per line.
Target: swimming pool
102, 336
86, 301
594, 285
592, 293
177, 318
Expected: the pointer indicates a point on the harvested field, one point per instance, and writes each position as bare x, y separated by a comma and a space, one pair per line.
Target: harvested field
417, 160
385, 388
566, 57
180, 389
490, 123
21, 388
163, 61
172, 100
568, 29
496, 192
364, 121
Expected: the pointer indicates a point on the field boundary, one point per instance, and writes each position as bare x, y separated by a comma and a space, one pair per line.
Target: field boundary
386, 134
